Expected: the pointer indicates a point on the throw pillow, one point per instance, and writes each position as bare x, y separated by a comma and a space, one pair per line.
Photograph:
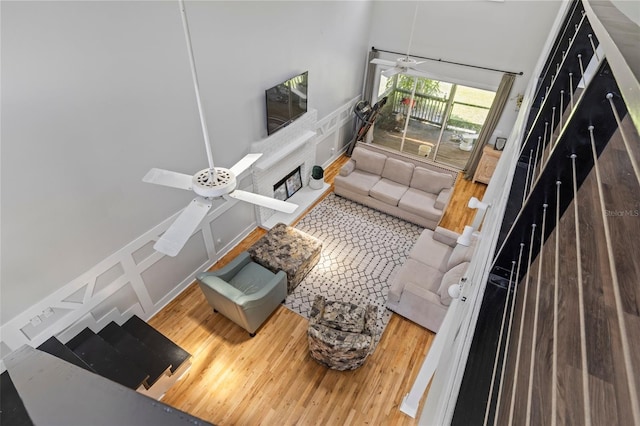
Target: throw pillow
368, 161
452, 276
460, 254
398, 171
430, 181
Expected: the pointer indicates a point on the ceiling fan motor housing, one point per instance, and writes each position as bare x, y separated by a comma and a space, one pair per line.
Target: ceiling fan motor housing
222, 183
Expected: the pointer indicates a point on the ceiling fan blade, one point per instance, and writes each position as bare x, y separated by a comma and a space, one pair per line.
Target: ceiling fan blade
172, 241
413, 72
261, 200
391, 72
379, 61
246, 162
168, 178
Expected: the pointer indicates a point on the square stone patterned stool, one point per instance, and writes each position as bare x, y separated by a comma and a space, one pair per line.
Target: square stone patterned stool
287, 249
341, 334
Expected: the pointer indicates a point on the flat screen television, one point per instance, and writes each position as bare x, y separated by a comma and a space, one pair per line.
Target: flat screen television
286, 102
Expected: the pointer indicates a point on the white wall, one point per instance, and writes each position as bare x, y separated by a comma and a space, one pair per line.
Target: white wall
631, 9
96, 93
502, 35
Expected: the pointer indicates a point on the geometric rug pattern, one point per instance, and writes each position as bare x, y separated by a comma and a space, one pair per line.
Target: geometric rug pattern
362, 250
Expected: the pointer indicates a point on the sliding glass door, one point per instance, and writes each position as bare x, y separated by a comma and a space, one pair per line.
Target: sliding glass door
433, 119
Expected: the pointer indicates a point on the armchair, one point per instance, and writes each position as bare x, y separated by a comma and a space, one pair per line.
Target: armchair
244, 291
340, 334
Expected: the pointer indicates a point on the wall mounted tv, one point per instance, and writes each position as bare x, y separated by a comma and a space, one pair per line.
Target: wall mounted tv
286, 102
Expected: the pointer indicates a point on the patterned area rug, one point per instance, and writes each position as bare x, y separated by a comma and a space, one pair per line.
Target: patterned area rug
362, 250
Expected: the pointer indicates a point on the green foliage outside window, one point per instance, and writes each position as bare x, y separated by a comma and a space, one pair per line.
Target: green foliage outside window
424, 86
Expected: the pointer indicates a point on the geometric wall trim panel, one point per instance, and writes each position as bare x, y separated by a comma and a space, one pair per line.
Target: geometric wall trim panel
136, 278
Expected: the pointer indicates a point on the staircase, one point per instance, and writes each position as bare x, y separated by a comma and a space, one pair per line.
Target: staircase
134, 355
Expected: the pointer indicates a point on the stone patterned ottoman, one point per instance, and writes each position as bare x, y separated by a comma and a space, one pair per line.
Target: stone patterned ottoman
341, 334
287, 249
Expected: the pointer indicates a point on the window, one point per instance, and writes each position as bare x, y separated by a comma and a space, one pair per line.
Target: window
433, 119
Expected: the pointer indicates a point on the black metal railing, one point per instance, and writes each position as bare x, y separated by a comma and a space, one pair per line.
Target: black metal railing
432, 109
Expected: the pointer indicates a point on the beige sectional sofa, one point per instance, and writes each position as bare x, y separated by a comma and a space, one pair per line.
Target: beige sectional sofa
419, 291
394, 186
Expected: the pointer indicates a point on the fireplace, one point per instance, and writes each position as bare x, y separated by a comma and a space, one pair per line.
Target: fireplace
283, 154
288, 185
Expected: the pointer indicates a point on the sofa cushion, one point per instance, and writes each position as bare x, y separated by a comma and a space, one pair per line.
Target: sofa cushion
398, 171
460, 254
418, 273
430, 252
420, 203
388, 191
452, 276
251, 278
358, 181
369, 161
422, 307
430, 181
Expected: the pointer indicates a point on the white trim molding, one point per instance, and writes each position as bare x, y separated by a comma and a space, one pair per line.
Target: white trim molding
137, 279
131, 281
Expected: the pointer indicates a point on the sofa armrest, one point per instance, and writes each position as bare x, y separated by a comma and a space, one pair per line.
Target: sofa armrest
348, 168
443, 199
445, 236
395, 291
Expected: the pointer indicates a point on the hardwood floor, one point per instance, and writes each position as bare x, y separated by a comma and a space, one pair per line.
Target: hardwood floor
270, 379
458, 214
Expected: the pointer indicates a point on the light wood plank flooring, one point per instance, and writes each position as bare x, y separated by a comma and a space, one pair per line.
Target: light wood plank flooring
270, 379
458, 214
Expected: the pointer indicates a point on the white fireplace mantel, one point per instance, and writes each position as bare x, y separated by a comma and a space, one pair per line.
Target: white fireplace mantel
291, 147
304, 198
267, 162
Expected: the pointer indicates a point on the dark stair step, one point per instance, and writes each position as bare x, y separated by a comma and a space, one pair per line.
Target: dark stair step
135, 350
164, 348
106, 360
12, 409
58, 349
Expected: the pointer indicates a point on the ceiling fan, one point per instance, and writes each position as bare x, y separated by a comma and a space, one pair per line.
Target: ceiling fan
404, 64
207, 184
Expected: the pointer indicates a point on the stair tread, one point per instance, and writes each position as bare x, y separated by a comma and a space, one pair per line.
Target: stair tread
55, 347
12, 409
106, 360
135, 350
162, 346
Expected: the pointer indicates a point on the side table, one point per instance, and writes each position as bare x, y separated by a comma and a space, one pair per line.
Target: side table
486, 165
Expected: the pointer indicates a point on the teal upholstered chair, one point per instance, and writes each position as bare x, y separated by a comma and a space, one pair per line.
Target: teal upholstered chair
244, 291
